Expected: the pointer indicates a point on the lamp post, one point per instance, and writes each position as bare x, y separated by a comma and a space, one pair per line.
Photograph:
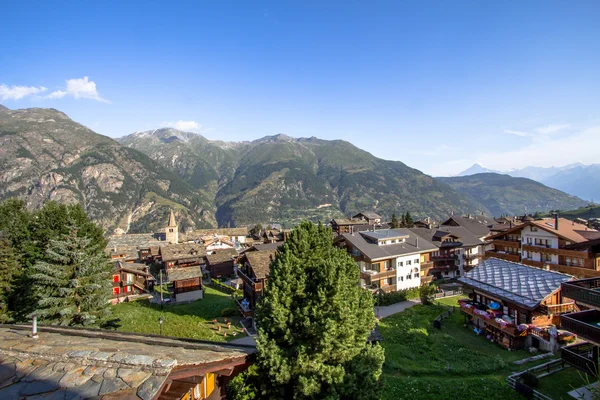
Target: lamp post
160, 321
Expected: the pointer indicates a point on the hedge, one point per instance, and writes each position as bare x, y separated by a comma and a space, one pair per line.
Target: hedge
227, 288
386, 299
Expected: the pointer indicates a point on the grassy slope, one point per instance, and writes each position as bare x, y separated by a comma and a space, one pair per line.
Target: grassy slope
192, 320
454, 363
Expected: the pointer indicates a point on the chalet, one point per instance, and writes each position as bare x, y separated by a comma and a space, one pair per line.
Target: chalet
275, 235
218, 243
254, 270
221, 263
187, 283
389, 259
182, 255
548, 243
458, 250
510, 302
476, 224
345, 225
130, 280
369, 217
238, 236
94, 364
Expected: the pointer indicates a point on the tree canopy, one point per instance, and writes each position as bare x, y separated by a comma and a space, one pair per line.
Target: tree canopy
313, 323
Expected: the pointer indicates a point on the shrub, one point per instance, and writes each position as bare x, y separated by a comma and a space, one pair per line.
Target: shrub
426, 293
226, 289
228, 312
386, 299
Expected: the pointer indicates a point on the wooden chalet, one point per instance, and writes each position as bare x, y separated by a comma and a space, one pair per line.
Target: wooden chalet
221, 263
371, 218
348, 225
514, 304
130, 280
275, 235
254, 271
95, 364
187, 283
182, 255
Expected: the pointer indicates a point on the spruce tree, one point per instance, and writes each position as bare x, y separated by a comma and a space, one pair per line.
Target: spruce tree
394, 221
408, 221
10, 270
403, 221
72, 283
313, 323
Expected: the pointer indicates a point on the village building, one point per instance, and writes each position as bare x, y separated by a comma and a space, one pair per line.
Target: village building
221, 264
478, 225
187, 283
254, 270
458, 252
548, 243
182, 255
371, 218
130, 281
64, 363
172, 230
275, 235
515, 305
237, 236
389, 259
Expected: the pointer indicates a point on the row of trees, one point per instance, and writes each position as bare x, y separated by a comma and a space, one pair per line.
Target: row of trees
406, 221
52, 264
313, 325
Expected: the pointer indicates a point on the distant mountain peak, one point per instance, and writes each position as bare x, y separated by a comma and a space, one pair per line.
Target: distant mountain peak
476, 169
280, 137
3, 108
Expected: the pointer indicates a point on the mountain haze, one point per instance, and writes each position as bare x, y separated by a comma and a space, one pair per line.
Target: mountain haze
506, 195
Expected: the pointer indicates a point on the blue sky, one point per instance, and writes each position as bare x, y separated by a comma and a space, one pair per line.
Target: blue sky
438, 85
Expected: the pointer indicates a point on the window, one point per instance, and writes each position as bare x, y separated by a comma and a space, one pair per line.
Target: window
408, 262
116, 278
374, 267
401, 278
416, 275
400, 263
416, 261
446, 273
408, 276
116, 290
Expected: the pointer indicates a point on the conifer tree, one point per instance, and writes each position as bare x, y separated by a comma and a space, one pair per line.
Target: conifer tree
72, 283
394, 221
403, 221
408, 221
313, 323
10, 270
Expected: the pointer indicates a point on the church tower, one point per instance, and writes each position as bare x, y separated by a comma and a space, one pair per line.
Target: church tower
172, 231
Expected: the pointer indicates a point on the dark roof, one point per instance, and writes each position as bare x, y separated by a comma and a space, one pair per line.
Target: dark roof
375, 252
518, 283
584, 245
78, 363
180, 274
260, 261
347, 221
477, 226
368, 215
182, 251
136, 268
265, 246
198, 233
221, 256
435, 235
136, 241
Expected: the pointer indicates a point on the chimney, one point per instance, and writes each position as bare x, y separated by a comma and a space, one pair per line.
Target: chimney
510, 224
556, 221
417, 242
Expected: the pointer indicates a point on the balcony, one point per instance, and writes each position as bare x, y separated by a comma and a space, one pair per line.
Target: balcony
256, 286
426, 279
446, 257
507, 242
546, 249
470, 309
244, 308
472, 256
514, 257
426, 265
583, 356
372, 276
584, 291
585, 324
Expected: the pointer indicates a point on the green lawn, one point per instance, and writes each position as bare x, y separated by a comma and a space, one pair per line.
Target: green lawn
558, 385
192, 320
452, 363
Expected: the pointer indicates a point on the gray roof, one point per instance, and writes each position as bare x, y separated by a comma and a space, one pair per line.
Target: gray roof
138, 240
385, 234
368, 214
179, 274
518, 283
182, 251
467, 238
221, 256
77, 363
265, 246
375, 252
477, 226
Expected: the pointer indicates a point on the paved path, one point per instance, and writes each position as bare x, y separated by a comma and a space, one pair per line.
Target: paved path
384, 311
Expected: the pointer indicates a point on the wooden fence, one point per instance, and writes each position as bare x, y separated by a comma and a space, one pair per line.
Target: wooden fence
539, 371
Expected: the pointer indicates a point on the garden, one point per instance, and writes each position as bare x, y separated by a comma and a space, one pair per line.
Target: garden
213, 318
423, 362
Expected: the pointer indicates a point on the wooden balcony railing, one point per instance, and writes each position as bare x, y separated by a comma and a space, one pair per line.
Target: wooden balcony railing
515, 257
558, 309
256, 286
377, 276
584, 324
507, 242
245, 310
583, 356
446, 257
549, 250
584, 291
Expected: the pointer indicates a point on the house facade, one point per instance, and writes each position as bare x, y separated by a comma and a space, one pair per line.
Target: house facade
130, 280
221, 263
389, 259
516, 305
254, 271
548, 243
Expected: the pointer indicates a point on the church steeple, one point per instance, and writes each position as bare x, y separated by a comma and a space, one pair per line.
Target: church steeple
172, 231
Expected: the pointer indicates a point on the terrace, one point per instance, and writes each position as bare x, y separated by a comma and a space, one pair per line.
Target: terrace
584, 291
583, 356
586, 324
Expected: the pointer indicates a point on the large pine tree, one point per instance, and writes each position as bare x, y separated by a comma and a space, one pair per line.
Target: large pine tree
313, 324
10, 271
72, 283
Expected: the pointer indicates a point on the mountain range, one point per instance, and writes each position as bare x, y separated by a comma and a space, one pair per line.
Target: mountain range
577, 179
131, 183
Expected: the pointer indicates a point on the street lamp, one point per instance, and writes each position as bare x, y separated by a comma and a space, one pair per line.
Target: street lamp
160, 321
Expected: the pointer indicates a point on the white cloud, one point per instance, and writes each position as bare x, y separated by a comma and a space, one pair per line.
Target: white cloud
518, 133
79, 88
552, 128
18, 92
185, 126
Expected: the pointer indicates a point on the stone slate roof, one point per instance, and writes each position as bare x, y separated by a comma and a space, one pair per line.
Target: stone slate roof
179, 274
435, 235
477, 226
136, 241
90, 364
375, 252
199, 233
221, 256
265, 246
182, 251
137, 268
368, 215
518, 283
348, 221
260, 261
